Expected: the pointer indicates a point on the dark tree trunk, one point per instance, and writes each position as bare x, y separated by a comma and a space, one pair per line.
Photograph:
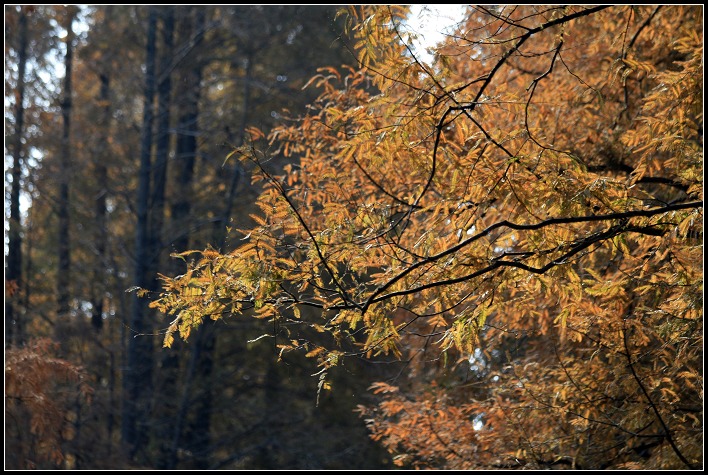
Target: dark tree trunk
221, 226
199, 430
100, 208
137, 378
198, 434
159, 178
186, 150
13, 272
63, 272
166, 378
154, 421
196, 439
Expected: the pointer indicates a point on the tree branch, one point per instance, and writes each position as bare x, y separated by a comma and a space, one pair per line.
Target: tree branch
376, 295
667, 431
292, 206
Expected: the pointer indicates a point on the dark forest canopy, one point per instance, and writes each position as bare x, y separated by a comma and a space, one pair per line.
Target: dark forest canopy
277, 237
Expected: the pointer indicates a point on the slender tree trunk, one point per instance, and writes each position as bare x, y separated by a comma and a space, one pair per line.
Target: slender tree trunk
156, 207
197, 437
100, 284
164, 379
110, 424
137, 379
186, 149
186, 153
159, 178
264, 454
13, 272
101, 237
63, 272
220, 226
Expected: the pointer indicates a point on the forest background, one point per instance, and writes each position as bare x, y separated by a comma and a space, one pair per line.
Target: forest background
280, 237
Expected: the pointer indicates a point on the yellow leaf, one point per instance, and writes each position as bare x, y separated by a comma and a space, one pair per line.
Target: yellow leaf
314, 352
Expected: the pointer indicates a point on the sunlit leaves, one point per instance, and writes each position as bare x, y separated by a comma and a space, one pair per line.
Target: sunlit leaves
528, 241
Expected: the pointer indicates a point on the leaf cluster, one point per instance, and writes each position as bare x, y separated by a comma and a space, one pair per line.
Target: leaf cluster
534, 195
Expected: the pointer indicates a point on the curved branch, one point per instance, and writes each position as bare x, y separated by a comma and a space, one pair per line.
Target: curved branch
376, 295
667, 431
382, 189
639, 30
584, 244
292, 206
533, 85
522, 40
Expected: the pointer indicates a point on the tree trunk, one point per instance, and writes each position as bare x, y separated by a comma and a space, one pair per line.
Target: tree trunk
100, 209
164, 90
137, 379
166, 378
197, 436
221, 226
186, 153
13, 273
63, 272
187, 131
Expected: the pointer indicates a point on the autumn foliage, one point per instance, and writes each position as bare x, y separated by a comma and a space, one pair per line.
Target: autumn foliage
519, 222
42, 394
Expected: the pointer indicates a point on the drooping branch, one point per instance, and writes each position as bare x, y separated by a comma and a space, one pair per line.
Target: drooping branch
377, 294
498, 263
323, 260
533, 86
667, 431
522, 39
641, 28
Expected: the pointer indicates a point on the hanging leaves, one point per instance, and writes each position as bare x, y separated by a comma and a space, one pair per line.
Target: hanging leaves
522, 224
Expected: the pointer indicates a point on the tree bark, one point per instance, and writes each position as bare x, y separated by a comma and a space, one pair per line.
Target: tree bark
186, 153
13, 273
137, 379
101, 236
220, 227
197, 437
159, 179
64, 250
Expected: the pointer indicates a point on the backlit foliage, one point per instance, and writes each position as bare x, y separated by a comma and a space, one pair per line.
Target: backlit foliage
520, 222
